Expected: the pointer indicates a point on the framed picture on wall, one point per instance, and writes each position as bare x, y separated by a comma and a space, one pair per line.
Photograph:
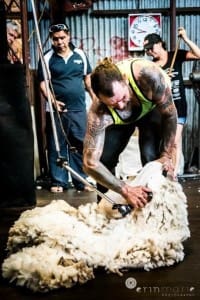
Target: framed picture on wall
139, 25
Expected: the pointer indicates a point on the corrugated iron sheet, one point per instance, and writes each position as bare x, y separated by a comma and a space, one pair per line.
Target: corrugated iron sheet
108, 36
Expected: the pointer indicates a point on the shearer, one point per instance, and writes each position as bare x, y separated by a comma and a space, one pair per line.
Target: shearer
127, 92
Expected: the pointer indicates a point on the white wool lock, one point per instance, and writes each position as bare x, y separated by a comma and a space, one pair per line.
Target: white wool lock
150, 176
77, 238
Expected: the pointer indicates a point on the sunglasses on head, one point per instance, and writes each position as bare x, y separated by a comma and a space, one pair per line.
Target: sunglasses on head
58, 27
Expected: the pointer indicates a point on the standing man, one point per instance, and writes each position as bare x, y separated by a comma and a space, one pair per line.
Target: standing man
127, 92
156, 48
69, 71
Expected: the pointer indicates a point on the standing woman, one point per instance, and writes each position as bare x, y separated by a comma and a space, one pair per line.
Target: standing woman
154, 46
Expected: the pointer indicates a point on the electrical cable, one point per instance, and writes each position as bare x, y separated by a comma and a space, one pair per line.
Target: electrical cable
124, 209
174, 56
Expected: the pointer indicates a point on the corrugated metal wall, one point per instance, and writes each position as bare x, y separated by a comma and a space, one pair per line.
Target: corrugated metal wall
108, 36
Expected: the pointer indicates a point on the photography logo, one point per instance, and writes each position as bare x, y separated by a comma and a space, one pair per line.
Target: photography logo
169, 291
130, 283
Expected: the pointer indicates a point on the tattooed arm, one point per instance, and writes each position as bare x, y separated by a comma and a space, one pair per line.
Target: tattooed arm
169, 124
93, 148
156, 86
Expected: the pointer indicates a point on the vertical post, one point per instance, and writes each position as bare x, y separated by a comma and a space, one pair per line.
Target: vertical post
3, 35
173, 24
25, 49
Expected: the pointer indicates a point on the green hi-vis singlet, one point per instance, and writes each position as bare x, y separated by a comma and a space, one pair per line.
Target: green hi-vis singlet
125, 67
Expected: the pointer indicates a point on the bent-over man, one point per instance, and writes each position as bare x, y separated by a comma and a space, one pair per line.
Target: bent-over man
126, 92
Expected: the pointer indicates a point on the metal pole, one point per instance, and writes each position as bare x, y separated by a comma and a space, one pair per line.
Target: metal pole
46, 78
124, 209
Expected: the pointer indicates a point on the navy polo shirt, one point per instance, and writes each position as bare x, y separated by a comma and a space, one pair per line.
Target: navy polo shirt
67, 77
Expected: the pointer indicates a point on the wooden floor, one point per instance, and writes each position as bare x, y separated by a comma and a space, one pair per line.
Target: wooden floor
181, 281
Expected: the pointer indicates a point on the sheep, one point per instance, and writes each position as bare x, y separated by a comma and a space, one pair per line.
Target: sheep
73, 242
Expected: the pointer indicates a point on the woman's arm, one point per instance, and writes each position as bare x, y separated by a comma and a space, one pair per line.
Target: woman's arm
194, 52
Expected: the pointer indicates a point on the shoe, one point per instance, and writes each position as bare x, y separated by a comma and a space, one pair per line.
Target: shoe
88, 189
85, 189
56, 189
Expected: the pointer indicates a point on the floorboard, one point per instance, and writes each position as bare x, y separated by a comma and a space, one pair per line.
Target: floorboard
181, 281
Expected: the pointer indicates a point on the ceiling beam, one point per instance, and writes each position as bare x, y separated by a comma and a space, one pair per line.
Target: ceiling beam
163, 11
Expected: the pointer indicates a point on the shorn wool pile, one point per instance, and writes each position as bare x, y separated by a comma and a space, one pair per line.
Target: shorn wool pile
59, 246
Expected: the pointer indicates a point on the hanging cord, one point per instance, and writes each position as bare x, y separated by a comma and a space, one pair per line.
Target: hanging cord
50, 91
124, 209
46, 79
174, 56
39, 19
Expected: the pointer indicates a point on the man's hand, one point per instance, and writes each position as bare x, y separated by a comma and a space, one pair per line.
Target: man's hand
168, 167
60, 106
137, 196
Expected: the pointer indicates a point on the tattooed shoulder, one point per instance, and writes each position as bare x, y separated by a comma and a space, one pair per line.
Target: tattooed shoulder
96, 129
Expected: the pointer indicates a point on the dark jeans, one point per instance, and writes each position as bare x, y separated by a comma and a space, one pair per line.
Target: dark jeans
117, 138
150, 129
74, 124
